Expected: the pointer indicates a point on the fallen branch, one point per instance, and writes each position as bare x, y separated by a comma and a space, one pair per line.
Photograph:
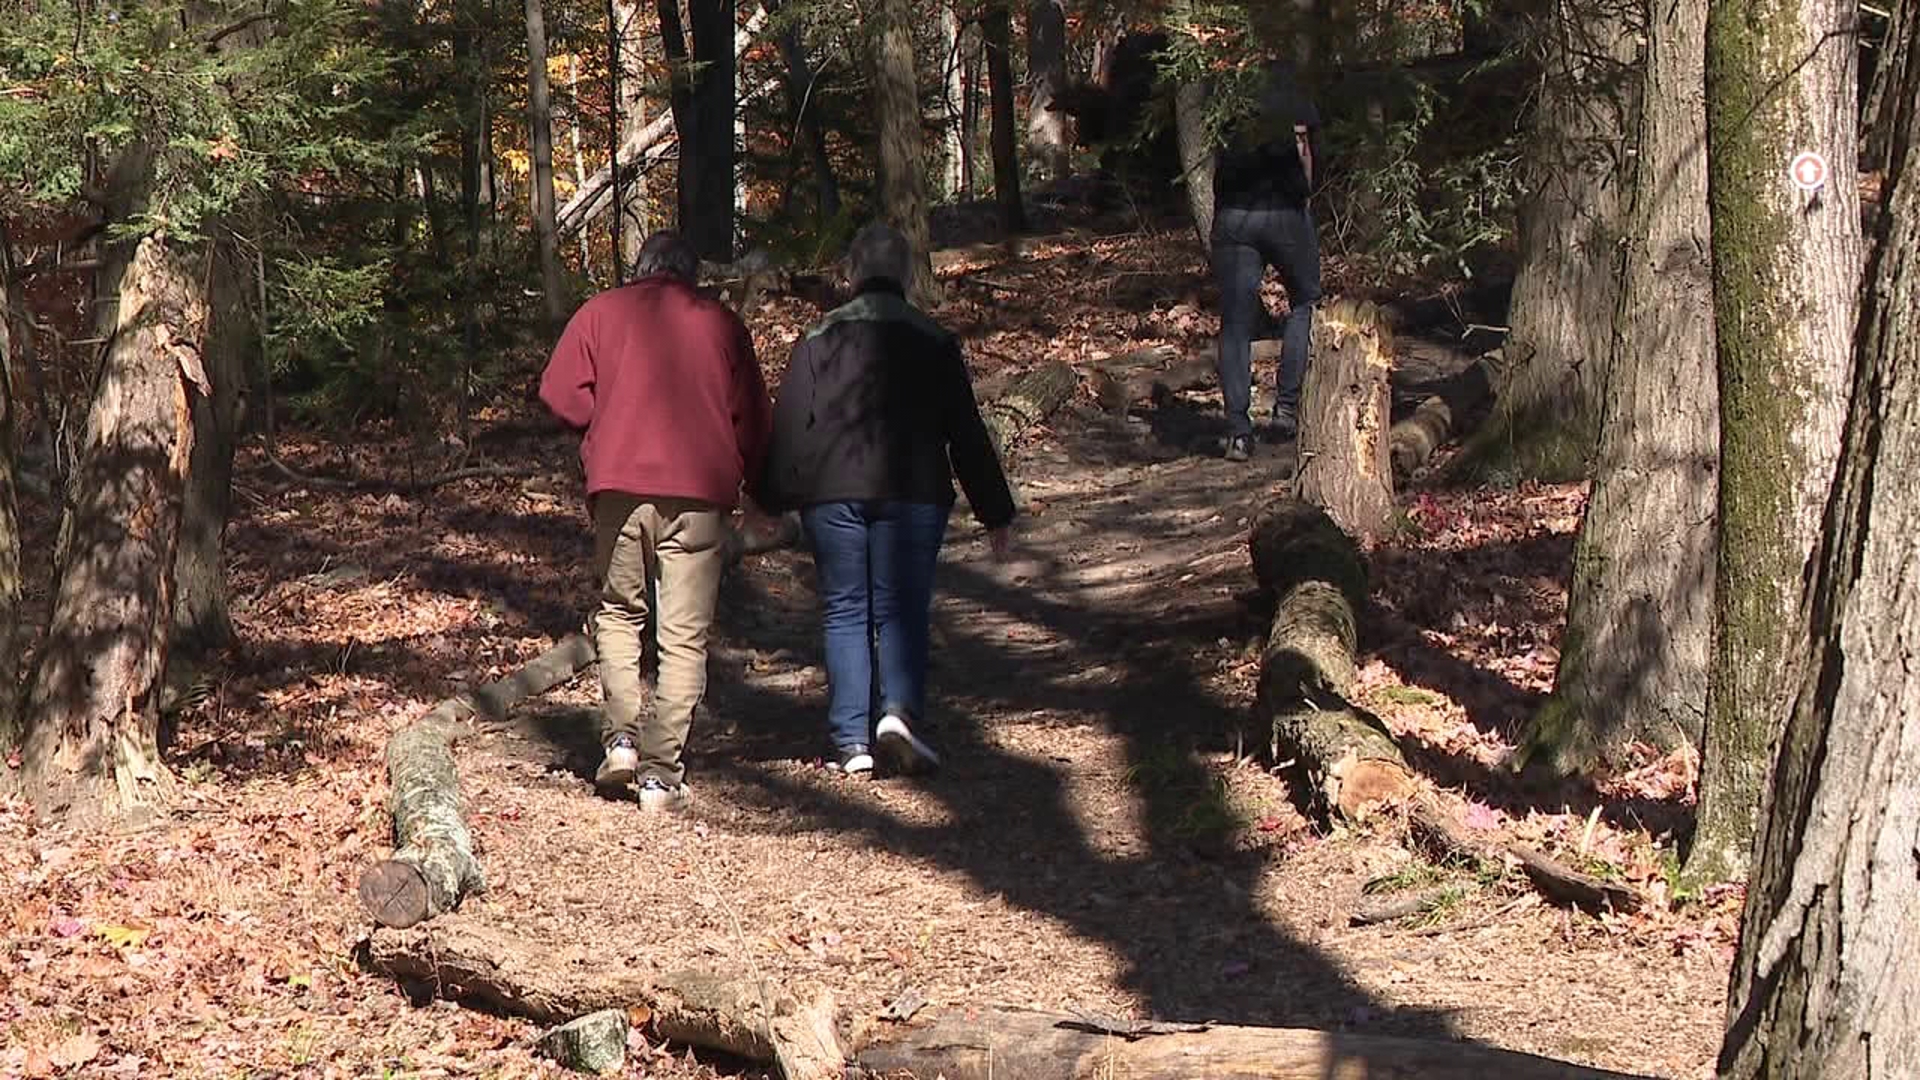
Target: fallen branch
1402, 906
1351, 762
402, 487
460, 959
1437, 828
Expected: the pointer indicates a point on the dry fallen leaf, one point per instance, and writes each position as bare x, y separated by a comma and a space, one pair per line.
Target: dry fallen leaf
125, 937
75, 1051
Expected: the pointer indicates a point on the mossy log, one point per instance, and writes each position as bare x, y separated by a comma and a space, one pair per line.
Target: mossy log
463, 960
433, 866
1346, 412
1029, 401
1349, 759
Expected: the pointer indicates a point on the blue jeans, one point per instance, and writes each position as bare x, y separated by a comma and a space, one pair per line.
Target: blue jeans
1246, 240
876, 562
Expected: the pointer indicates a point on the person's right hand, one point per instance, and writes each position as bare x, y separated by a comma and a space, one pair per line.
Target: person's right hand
1000, 543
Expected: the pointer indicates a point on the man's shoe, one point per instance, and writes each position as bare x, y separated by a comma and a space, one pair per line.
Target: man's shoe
855, 760
621, 764
657, 797
905, 751
1239, 447
1284, 425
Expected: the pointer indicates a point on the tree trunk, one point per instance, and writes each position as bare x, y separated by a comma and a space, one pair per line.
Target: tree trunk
1351, 763
1786, 278
1047, 81
1633, 663
706, 153
953, 101
803, 108
969, 116
1566, 288
201, 623
92, 739
673, 43
10, 583
997, 31
628, 70
1346, 412
903, 178
1826, 982
540, 140
1197, 155
1880, 117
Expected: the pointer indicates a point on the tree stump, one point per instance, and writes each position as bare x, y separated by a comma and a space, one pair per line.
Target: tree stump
1351, 762
1346, 414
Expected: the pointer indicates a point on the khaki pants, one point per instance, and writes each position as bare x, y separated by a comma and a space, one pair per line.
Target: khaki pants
675, 548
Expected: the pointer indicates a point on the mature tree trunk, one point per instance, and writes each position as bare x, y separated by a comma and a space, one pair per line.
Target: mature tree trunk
673, 42
200, 618
1633, 663
970, 114
1566, 289
706, 152
997, 31
803, 106
1346, 412
10, 584
626, 65
1197, 155
540, 140
1826, 982
1786, 275
903, 178
92, 739
953, 101
1880, 116
1046, 81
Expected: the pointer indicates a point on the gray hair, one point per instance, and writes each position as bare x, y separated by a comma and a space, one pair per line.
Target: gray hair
665, 252
879, 251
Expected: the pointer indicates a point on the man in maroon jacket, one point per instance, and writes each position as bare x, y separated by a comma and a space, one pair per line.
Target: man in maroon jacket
676, 414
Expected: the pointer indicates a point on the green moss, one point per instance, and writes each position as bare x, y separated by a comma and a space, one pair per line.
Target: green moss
1516, 447
1407, 695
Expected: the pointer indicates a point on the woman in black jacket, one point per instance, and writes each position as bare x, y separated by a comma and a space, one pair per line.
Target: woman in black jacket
875, 417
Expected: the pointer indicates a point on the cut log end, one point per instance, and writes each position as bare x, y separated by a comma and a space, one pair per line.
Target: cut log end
1366, 788
395, 894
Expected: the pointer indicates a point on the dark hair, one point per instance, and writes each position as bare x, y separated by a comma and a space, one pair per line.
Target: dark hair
879, 251
666, 253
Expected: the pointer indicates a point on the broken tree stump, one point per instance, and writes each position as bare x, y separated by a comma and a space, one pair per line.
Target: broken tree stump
1352, 764
461, 959
991, 1043
1031, 399
1346, 412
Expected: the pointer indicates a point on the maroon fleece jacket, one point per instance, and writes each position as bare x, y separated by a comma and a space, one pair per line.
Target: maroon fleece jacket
665, 383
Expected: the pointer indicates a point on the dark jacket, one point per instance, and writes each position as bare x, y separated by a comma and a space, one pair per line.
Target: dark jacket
877, 404
665, 383
1259, 163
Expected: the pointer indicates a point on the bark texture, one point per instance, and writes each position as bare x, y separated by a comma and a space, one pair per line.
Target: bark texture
1352, 764
1786, 276
540, 143
954, 171
1345, 415
706, 156
1880, 117
433, 866
996, 30
10, 583
1633, 663
92, 739
1029, 401
903, 174
1197, 155
1046, 81
1826, 982
1566, 288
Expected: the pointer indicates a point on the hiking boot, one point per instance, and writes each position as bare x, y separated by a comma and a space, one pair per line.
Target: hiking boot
656, 796
1285, 423
620, 765
905, 751
855, 760
1239, 448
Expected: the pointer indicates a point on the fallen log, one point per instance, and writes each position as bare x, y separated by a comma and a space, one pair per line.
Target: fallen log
460, 959
1351, 763
464, 960
1031, 399
1435, 421
1401, 906
1433, 825
433, 866
1346, 411
1158, 372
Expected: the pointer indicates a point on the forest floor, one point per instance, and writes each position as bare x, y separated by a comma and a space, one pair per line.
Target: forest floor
1107, 834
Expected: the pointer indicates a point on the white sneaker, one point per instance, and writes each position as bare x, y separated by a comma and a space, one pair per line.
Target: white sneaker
657, 797
620, 766
905, 751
